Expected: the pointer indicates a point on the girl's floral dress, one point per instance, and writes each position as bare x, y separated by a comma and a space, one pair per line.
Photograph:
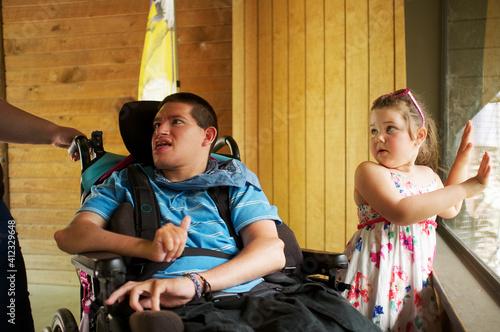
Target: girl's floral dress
390, 268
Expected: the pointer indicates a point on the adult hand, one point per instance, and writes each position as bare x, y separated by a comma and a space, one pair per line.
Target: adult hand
63, 137
169, 241
155, 293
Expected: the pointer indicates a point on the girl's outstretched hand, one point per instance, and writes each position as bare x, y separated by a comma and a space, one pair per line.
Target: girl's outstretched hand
483, 173
465, 148
479, 182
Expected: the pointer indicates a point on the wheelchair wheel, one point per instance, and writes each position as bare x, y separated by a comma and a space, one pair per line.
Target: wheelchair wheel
64, 321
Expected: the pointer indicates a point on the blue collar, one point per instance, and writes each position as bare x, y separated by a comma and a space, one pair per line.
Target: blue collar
219, 173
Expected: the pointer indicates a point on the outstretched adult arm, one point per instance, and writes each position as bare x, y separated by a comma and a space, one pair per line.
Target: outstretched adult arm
18, 126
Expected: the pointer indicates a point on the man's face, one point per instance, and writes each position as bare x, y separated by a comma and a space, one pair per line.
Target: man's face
179, 144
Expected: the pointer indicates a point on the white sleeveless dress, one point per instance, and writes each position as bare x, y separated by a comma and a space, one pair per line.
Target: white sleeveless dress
390, 268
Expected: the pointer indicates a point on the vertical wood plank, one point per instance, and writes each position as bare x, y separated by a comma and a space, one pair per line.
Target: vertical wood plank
238, 70
400, 44
4, 157
297, 115
280, 115
381, 48
250, 153
315, 124
265, 97
335, 115
357, 104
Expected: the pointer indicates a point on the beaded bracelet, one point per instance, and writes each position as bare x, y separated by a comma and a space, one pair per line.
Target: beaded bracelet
197, 286
206, 285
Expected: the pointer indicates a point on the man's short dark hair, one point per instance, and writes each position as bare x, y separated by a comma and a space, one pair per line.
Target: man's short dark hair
202, 111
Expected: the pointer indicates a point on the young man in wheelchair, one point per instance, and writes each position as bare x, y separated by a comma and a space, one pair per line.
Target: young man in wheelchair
183, 132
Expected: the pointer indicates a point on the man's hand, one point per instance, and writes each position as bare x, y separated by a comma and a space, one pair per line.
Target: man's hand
155, 293
169, 241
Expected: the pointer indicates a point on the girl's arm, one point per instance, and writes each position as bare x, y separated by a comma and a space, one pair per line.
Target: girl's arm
374, 184
458, 171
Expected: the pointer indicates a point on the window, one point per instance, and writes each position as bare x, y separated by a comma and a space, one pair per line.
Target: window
472, 91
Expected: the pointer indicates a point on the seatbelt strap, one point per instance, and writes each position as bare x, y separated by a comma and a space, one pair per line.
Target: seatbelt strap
220, 195
146, 211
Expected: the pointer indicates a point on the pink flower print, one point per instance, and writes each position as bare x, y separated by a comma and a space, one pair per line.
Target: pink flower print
409, 326
425, 228
398, 289
418, 299
375, 256
389, 247
429, 265
397, 274
361, 290
407, 241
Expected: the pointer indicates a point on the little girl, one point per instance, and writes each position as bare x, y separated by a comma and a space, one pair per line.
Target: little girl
398, 198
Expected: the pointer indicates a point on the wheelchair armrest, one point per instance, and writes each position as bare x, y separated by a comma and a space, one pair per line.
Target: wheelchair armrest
102, 265
320, 264
323, 262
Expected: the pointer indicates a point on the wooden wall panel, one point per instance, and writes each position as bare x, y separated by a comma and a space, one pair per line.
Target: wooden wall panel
250, 93
315, 120
265, 96
238, 70
335, 57
335, 137
204, 44
75, 62
357, 100
292, 83
296, 119
400, 47
280, 96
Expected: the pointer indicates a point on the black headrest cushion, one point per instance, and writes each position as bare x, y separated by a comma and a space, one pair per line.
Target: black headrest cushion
136, 128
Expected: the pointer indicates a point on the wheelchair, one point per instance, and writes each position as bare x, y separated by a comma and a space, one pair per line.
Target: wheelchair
100, 273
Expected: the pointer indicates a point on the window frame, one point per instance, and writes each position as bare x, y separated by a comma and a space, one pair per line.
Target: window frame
483, 273
480, 270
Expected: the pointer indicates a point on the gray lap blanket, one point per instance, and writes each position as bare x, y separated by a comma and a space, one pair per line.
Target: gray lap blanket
307, 307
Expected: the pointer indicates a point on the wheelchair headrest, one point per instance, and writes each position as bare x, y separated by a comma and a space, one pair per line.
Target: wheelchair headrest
136, 128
